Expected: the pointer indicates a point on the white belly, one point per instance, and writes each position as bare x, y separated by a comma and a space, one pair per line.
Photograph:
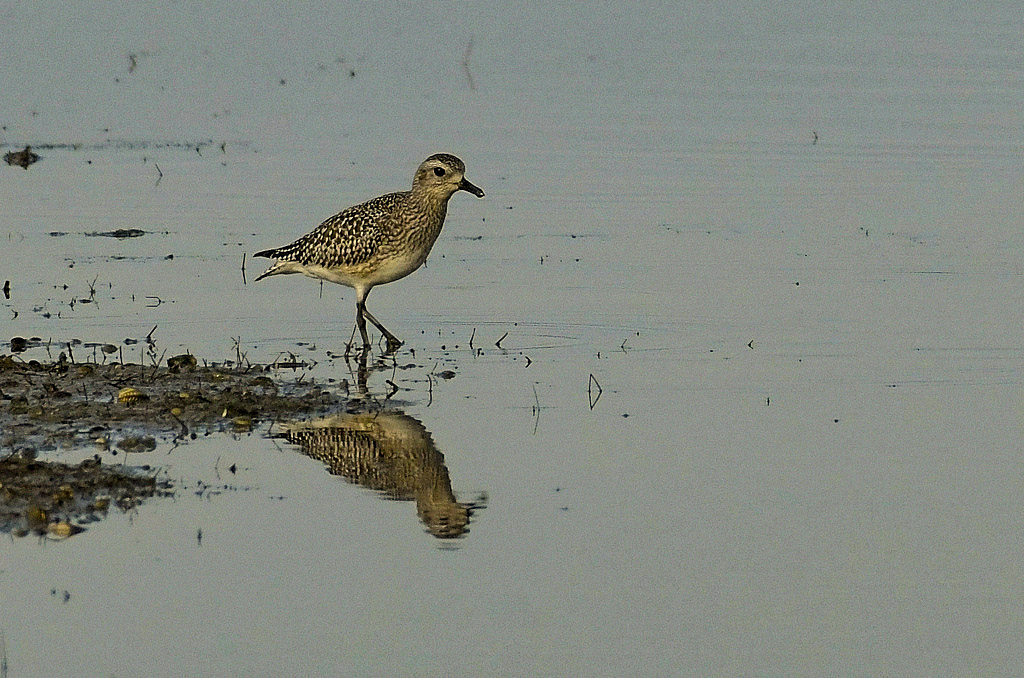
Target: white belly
364, 276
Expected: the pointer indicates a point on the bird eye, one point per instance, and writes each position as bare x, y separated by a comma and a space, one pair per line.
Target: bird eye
439, 171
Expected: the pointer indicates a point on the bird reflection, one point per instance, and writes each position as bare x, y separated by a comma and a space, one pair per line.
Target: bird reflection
392, 453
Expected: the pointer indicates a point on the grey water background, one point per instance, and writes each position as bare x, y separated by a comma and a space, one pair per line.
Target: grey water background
785, 240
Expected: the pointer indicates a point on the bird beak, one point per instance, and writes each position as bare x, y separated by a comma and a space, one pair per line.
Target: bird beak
465, 185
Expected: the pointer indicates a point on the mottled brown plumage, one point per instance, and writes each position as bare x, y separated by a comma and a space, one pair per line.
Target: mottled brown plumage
392, 453
378, 241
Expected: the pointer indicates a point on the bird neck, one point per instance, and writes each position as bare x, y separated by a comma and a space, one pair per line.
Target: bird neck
432, 203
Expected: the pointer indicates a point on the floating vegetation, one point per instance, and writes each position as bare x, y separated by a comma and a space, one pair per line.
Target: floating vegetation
119, 233
121, 145
22, 158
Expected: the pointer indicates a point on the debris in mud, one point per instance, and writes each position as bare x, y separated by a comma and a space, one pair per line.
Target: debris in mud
55, 500
130, 394
178, 363
22, 158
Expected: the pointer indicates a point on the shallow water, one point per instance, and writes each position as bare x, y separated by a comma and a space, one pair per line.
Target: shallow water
805, 457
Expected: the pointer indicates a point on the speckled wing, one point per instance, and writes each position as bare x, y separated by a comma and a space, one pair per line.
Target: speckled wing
348, 238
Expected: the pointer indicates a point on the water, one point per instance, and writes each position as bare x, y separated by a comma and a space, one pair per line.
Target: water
805, 459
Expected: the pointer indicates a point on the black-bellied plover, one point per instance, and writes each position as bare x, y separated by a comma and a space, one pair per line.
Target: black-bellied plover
379, 241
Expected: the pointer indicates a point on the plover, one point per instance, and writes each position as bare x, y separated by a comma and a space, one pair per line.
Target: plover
378, 241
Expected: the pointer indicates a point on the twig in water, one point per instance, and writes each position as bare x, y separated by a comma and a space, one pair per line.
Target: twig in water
471, 338
159, 173
498, 342
184, 429
591, 383
465, 65
536, 410
350, 345
157, 361
149, 337
243, 269
241, 357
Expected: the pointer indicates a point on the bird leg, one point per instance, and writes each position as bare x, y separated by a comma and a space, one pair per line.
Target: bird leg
362, 315
394, 343
361, 324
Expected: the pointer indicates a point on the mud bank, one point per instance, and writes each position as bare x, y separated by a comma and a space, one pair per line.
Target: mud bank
57, 500
119, 409
60, 404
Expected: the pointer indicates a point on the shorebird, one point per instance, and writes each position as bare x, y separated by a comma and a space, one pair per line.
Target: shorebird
378, 241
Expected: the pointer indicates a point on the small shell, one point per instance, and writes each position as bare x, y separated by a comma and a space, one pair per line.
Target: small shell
130, 395
61, 530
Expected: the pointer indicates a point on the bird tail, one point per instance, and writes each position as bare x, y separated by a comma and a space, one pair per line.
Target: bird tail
275, 268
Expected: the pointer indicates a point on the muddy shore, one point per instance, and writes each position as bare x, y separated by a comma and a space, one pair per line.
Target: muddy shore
120, 408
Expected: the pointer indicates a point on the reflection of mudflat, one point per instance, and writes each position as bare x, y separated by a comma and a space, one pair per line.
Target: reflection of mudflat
392, 453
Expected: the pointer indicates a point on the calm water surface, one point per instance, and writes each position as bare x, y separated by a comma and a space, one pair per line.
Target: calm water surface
785, 244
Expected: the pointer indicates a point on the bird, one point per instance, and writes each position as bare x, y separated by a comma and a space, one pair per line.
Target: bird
378, 241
